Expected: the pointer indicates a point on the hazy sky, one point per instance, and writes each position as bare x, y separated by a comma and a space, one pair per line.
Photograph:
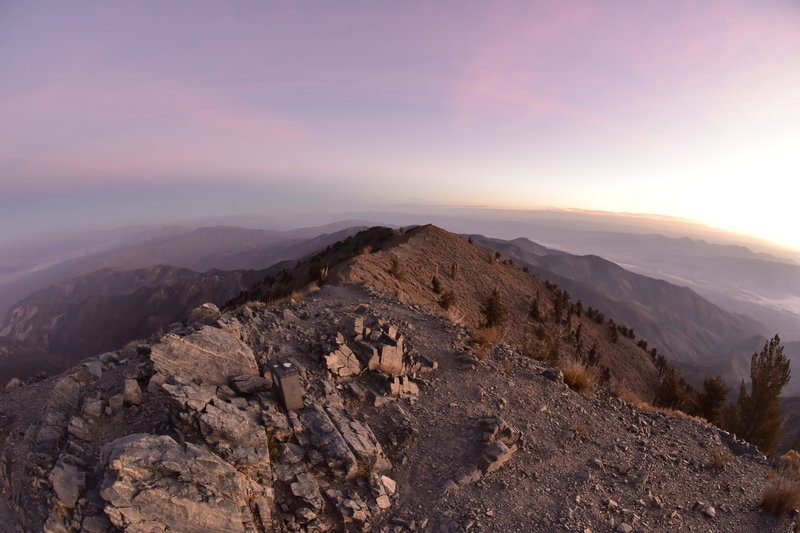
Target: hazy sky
120, 111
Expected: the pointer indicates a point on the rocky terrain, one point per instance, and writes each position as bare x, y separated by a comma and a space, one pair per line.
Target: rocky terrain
103, 310
357, 409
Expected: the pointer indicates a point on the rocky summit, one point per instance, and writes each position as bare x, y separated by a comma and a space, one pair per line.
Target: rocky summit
355, 410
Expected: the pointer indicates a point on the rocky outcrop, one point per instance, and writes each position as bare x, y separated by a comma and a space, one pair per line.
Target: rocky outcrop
187, 435
152, 483
210, 354
341, 441
343, 362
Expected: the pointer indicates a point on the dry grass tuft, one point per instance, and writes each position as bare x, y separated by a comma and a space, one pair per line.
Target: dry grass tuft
624, 393
488, 336
396, 269
579, 377
780, 496
789, 466
782, 493
454, 315
720, 457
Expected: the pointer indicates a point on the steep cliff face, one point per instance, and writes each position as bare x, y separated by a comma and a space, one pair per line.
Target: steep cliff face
399, 427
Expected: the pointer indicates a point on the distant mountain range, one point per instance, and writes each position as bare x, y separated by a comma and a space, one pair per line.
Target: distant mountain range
28, 267
107, 307
119, 288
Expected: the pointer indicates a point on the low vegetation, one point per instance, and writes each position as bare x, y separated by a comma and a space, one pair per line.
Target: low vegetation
488, 336
494, 310
396, 269
782, 493
720, 457
578, 376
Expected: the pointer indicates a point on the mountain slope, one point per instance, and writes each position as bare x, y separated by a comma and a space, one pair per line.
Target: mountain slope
103, 310
187, 436
683, 326
470, 274
199, 249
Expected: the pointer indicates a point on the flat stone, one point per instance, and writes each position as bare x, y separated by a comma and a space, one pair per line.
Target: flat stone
132, 392
211, 354
208, 313
249, 384
68, 483
496, 455
383, 502
389, 484
307, 490
79, 429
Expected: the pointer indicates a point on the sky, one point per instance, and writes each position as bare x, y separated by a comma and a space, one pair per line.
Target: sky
128, 112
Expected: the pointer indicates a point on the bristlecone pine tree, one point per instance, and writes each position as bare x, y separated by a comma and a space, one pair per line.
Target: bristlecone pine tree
711, 400
494, 310
759, 413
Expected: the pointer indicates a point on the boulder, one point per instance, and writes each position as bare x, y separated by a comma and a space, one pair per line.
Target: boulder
350, 508
79, 429
152, 483
324, 436
210, 354
248, 384
496, 455
403, 387
68, 483
205, 314
13, 383
343, 362
132, 393
307, 491
391, 359
95, 368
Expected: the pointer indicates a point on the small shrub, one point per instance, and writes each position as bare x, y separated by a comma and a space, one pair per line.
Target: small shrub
274, 449
780, 496
494, 310
534, 313
789, 466
720, 457
454, 315
436, 285
487, 336
396, 269
578, 377
782, 493
624, 393
447, 300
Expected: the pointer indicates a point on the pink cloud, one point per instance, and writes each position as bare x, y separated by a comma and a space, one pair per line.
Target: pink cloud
115, 128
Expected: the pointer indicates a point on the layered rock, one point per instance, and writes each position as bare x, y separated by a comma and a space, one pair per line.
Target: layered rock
212, 355
152, 483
